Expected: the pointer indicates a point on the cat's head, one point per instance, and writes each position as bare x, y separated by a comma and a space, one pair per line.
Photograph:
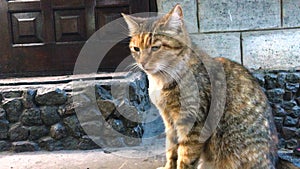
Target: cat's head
158, 44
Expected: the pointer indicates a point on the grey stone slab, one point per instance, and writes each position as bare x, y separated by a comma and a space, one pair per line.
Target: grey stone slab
229, 15
291, 13
220, 45
272, 49
189, 11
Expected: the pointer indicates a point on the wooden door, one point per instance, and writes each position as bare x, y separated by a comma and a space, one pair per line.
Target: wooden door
44, 37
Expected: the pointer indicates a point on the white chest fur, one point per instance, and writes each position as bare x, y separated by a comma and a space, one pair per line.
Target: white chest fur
155, 87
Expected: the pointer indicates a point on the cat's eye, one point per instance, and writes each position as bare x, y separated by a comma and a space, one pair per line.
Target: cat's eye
136, 49
155, 48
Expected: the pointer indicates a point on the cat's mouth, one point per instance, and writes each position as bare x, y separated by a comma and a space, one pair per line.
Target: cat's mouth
150, 70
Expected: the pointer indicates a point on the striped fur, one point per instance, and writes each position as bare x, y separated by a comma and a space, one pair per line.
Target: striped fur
180, 87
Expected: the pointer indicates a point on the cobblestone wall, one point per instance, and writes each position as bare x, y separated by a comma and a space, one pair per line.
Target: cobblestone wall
258, 34
109, 113
83, 114
283, 92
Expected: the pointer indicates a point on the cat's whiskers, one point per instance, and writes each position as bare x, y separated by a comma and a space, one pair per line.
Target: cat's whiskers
134, 67
168, 73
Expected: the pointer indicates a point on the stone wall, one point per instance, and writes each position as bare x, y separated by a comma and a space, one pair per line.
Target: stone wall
258, 34
80, 113
110, 111
283, 92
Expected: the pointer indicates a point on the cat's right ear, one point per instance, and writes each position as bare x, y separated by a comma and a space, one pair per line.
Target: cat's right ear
172, 22
133, 26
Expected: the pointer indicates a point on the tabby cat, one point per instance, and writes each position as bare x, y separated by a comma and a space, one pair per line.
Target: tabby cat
183, 81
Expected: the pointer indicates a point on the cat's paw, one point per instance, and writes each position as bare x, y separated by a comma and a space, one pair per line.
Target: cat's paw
160, 168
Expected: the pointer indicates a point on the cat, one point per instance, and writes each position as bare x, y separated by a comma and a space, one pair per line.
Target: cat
184, 81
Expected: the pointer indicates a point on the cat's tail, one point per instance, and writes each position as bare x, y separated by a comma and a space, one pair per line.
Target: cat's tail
284, 164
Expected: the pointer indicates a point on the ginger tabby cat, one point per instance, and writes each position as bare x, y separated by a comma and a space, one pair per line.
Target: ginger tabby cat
180, 86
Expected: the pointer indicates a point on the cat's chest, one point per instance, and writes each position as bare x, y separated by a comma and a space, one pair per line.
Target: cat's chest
155, 91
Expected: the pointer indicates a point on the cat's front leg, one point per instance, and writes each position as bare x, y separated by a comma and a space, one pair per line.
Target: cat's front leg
171, 154
171, 149
188, 155
189, 148
171, 159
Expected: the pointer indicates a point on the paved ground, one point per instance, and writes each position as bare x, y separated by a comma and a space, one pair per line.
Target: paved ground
93, 159
142, 157
149, 155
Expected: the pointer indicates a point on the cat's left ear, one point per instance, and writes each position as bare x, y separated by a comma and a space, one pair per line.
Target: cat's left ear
174, 19
132, 23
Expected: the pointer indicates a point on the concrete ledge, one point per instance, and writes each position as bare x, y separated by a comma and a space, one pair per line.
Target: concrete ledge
219, 45
291, 11
271, 49
236, 15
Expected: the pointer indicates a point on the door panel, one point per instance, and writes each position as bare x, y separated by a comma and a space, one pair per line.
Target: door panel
23, 5
70, 25
44, 37
106, 15
26, 27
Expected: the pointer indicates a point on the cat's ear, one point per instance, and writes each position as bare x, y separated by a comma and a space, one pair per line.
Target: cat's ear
133, 26
173, 20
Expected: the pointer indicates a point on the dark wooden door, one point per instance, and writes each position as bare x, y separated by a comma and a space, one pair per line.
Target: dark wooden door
44, 37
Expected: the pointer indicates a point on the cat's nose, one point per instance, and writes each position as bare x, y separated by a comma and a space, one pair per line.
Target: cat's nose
143, 64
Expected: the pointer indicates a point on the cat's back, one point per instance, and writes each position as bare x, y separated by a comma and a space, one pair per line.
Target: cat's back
241, 86
236, 73
245, 101
246, 128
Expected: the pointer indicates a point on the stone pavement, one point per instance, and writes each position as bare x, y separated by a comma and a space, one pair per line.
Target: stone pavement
149, 155
91, 159
142, 157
